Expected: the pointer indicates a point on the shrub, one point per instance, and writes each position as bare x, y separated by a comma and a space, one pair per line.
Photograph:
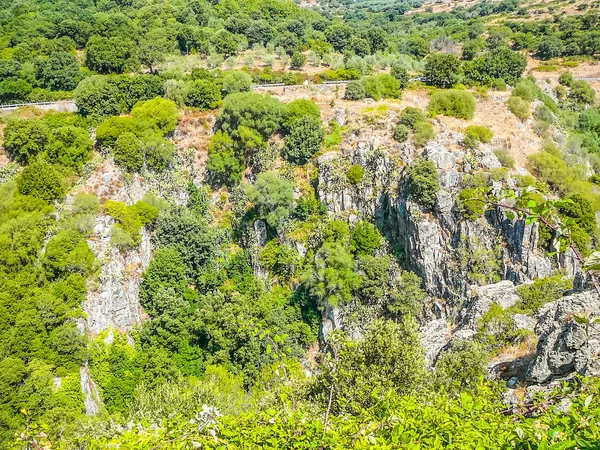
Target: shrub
365, 238
424, 132
381, 86
504, 158
25, 138
566, 79
462, 367
297, 109
40, 180
203, 94
237, 81
471, 204
304, 140
410, 116
160, 112
475, 134
128, 152
401, 133
581, 93
355, 174
455, 103
519, 107
543, 290
355, 90
527, 90
423, 182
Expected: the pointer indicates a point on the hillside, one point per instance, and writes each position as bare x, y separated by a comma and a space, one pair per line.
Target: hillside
258, 224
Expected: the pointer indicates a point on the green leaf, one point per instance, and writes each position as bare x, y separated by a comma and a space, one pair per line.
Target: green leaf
588, 400
592, 262
510, 215
269, 349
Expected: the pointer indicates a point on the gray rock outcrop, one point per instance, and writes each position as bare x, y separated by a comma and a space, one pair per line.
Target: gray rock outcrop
565, 346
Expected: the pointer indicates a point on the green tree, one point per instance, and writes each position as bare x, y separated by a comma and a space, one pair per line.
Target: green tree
400, 73
550, 47
128, 152
355, 90
108, 55
237, 81
259, 112
224, 166
159, 153
60, 72
25, 138
160, 112
338, 35
423, 182
304, 139
332, 278
297, 109
70, 146
442, 70
365, 238
225, 43
273, 198
203, 94
40, 180
97, 98
298, 61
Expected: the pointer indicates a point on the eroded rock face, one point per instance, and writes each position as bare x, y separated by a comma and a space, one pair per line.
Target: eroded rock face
434, 337
564, 346
90, 391
114, 302
481, 298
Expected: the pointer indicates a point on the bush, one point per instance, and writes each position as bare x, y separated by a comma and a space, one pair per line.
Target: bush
365, 238
25, 138
401, 133
475, 134
527, 90
504, 158
581, 94
355, 90
410, 116
128, 152
40, 180
424, 132
455, 103
471, 204
304, 140
566, 79
519, 107
160, 112
423, 182
355, 174
543, 290
462, 367
203, 94
159, 153
297, 109
381, 86
237, 81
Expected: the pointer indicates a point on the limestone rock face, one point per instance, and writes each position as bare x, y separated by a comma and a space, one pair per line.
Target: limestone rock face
114, 302
90, 391
481, 298
434, 337
564, 346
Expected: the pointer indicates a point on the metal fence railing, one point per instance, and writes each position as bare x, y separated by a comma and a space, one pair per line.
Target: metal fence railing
20, 105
